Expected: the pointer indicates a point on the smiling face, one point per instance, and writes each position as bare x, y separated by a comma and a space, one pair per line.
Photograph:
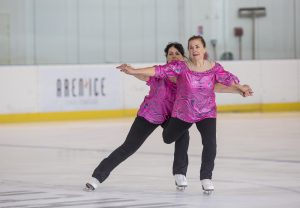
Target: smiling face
196, 48
174, 55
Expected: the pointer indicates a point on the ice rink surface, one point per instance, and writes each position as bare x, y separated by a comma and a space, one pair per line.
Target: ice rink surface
46, 165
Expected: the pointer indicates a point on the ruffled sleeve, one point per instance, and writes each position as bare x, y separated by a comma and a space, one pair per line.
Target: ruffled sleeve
225, 77
172, 69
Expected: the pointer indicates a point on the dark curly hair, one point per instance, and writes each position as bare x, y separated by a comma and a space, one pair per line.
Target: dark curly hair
176, 45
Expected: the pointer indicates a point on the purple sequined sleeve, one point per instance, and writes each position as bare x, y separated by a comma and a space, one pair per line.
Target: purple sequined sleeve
225, 77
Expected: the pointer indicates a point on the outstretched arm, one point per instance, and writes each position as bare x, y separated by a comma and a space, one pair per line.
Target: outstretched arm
141, 77
230, 80
220, 88
148, 71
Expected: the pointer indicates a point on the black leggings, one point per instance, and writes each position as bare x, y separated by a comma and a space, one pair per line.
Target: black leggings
139, 132
207, 128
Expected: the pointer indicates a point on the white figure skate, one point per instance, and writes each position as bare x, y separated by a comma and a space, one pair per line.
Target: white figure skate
91, 185
180, 182
207, 186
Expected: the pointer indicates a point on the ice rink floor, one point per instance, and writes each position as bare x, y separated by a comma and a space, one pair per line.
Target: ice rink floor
45, 165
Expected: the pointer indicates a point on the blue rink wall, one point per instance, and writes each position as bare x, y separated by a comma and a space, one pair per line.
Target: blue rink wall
72, 92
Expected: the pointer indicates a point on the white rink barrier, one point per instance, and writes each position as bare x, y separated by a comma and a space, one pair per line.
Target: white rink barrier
81, 88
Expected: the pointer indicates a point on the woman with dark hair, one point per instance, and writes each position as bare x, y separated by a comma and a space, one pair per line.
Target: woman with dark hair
195, 99
154, 111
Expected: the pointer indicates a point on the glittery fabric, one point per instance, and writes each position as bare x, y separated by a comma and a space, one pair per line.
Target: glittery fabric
195, 98
157, 106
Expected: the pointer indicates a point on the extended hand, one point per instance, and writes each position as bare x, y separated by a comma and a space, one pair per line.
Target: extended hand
245, 90
127, 69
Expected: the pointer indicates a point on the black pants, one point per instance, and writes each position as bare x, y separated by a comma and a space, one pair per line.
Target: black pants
207, 128
139, 132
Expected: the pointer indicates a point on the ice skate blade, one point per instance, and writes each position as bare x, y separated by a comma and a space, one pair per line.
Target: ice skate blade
88, 188
208, 192
180, 188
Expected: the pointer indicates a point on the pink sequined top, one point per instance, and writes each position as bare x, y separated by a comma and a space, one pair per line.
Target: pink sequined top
195, 98
157, 106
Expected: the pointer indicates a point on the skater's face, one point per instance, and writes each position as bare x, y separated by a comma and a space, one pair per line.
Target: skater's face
196, 49
174, 55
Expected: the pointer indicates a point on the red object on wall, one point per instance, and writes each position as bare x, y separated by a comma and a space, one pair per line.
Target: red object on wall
238, 31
